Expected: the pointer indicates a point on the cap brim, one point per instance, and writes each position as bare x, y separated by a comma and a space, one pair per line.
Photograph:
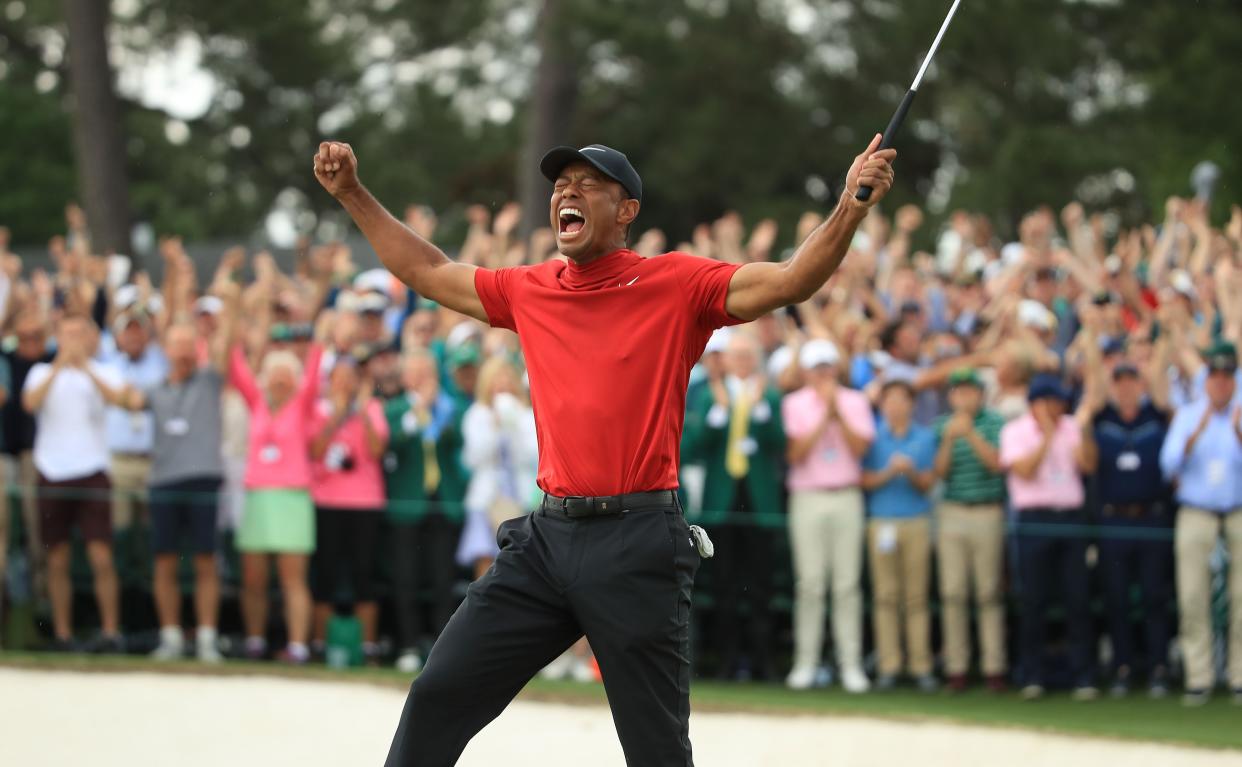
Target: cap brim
558, 157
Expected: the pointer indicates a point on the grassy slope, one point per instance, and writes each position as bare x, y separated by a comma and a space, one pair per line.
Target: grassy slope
1217, 725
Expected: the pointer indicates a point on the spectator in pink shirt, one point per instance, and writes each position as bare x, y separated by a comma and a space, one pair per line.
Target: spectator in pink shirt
828, 429
1045, 455
278, 519
349, 437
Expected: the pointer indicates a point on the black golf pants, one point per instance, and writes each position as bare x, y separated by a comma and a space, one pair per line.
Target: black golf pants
622, 580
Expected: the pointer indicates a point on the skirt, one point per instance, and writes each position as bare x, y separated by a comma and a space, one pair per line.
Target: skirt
478, 539
277, 521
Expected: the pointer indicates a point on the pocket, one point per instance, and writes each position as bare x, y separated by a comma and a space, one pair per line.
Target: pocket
685, 552
507, 532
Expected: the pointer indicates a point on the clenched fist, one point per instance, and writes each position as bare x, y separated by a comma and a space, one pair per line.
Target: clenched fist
336, 167
873, 168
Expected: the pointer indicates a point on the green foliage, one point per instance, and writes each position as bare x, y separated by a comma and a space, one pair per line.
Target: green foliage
720, 103
37, 162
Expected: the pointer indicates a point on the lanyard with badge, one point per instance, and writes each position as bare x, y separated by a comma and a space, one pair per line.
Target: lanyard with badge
179, 425
1128, 460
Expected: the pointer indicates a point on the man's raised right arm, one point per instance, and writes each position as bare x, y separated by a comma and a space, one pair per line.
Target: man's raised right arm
415, 261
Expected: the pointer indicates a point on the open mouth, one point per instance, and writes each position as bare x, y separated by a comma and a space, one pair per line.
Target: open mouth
571, 221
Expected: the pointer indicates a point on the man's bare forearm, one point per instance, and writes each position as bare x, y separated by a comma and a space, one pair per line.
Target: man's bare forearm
822, 253
402, 252
415, 261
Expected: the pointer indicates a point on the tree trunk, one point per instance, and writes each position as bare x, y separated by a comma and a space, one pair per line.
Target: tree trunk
551, 112
97, 128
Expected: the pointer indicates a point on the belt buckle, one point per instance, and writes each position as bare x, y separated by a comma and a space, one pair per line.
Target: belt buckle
574, 506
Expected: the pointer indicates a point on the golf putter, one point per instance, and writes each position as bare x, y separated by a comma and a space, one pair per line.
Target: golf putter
864, 192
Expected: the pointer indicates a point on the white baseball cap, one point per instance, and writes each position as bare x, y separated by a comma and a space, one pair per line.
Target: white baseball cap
719, 341
779, 361
818, 352
1036, 315
461, 333
378, 280
372, 302
208, 305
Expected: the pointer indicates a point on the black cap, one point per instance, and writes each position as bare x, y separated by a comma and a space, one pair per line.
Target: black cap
606, 160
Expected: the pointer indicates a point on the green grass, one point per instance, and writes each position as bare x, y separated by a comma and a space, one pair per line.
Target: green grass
1217, 725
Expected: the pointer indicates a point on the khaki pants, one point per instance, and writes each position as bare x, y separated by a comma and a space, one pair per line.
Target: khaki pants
900, 551
20, 475
826, 533
970, 544
129, 475
1195, 537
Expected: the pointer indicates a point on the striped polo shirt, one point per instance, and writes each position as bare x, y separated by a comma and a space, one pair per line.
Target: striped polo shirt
968, 480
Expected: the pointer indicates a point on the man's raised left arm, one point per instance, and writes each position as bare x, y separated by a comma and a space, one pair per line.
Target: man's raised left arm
760, 287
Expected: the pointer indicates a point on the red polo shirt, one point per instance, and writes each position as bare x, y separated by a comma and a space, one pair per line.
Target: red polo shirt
609, 347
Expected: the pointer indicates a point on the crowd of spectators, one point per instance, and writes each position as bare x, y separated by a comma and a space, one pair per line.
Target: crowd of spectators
962, 438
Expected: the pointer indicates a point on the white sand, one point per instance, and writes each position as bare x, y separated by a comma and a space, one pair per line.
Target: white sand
129, 719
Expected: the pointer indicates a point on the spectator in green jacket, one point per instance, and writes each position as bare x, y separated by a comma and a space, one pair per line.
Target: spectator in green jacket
423, 534
741, 442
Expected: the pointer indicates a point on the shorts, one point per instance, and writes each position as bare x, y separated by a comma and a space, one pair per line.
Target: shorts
84, 503
185, 509
277, 521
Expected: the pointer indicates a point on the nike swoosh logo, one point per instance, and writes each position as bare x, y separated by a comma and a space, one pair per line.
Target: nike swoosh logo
631, 282
590, 149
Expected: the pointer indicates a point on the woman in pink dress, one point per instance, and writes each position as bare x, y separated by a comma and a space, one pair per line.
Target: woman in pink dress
278, 519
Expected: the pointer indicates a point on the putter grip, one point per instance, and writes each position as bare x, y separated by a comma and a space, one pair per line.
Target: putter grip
894, 125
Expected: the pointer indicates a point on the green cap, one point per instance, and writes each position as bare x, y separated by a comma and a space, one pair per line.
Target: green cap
965, 376
466, 354
1221, 355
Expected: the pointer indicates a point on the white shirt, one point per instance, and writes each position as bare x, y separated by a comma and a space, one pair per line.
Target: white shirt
482, 430
70, 437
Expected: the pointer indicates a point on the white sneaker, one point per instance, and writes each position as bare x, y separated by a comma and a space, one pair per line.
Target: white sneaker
560, 668
409, 662
171, 647
854, 680
205, 646
581, 671
208, 653
801, 678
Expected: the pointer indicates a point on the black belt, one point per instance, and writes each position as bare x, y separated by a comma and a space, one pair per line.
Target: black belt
1132, 510
602, 505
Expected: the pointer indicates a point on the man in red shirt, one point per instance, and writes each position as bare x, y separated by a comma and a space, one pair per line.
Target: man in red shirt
609, 338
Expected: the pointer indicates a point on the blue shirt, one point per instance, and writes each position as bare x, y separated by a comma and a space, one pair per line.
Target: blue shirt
899, 498
130, 432
1183, 392
1129, 455
1211, 476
